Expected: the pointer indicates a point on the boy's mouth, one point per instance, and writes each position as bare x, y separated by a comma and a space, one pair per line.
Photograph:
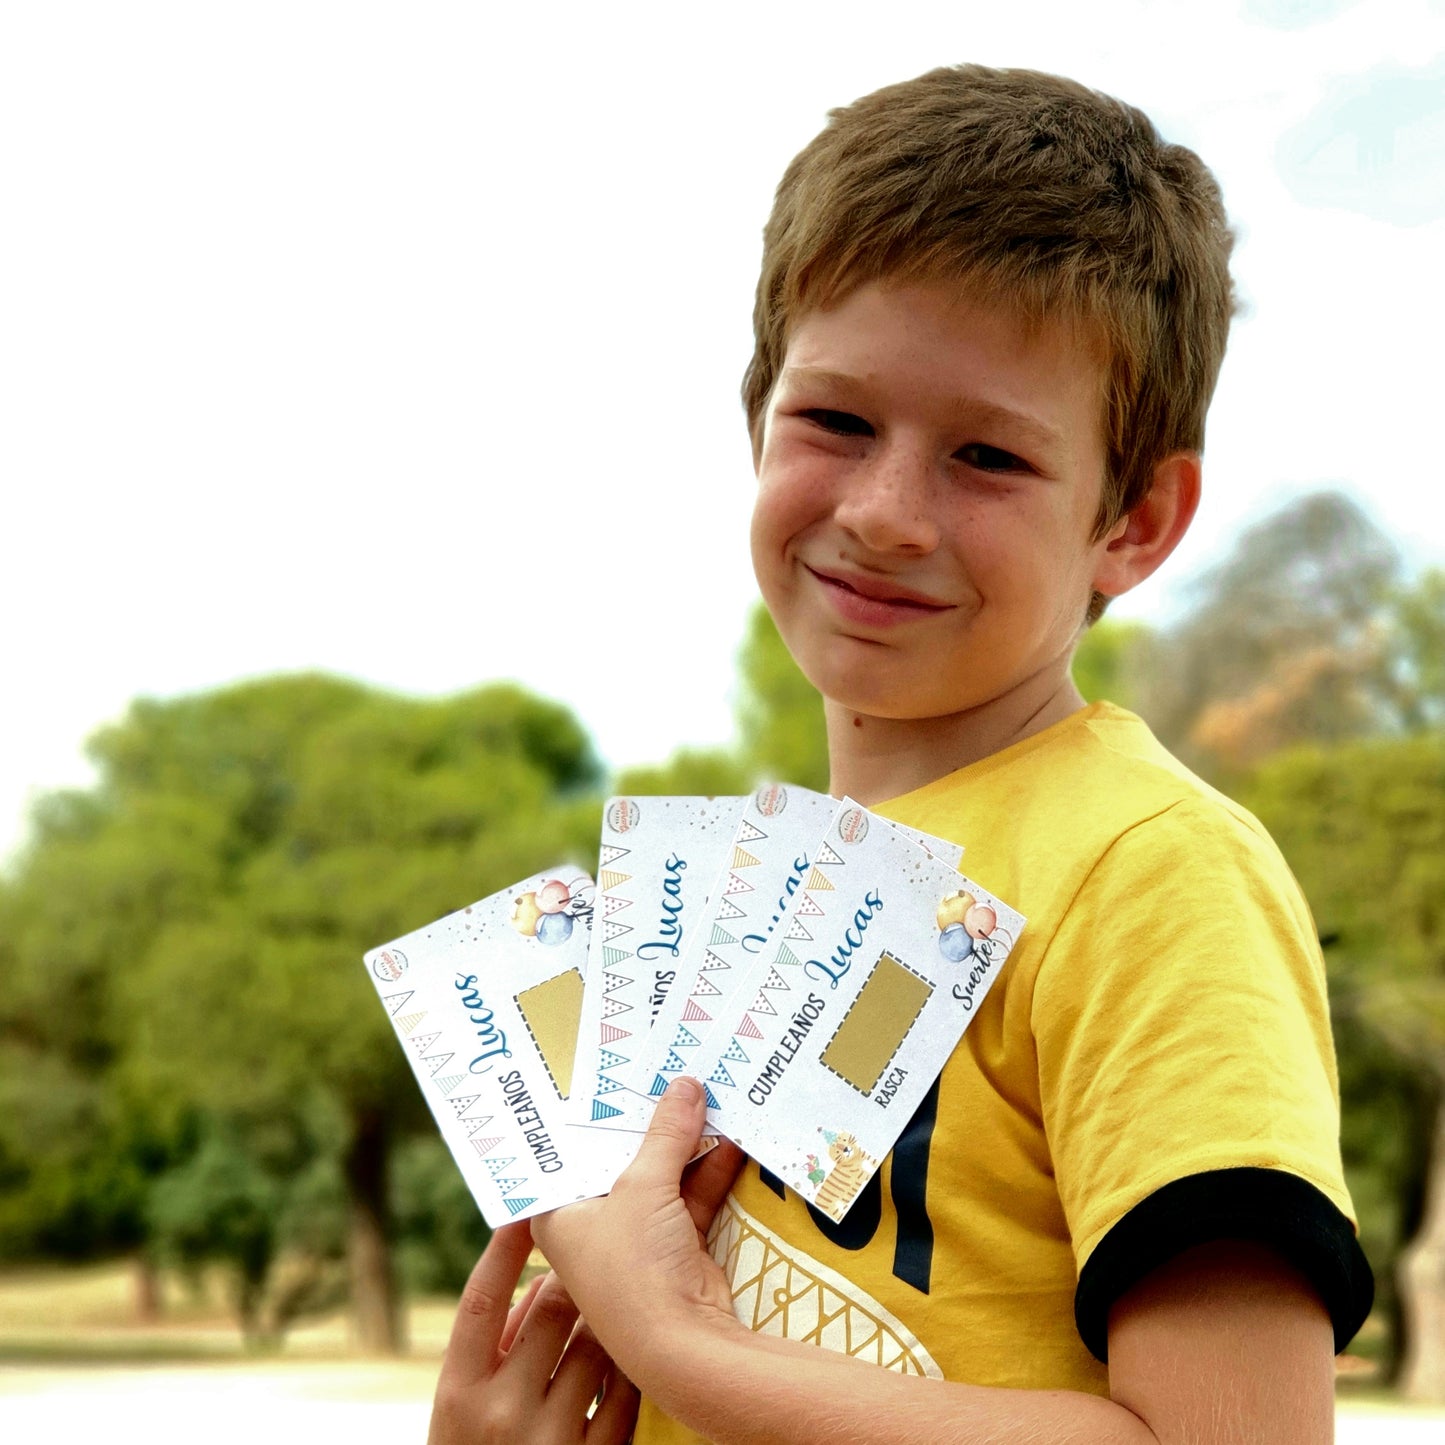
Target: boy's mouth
880, 591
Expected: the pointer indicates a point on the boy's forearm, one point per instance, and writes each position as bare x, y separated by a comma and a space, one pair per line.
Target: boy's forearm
746, 1389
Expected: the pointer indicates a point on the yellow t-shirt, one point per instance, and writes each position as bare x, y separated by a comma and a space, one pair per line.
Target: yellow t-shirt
1152, 1068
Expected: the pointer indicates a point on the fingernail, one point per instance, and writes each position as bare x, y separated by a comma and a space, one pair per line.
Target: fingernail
686, 1089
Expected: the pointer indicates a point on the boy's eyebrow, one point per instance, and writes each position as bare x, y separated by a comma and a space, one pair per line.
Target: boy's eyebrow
1040, 433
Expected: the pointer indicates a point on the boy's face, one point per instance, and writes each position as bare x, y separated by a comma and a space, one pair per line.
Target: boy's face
929, 481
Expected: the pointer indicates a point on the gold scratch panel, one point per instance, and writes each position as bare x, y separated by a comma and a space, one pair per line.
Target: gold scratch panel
875, 1026
553, 1012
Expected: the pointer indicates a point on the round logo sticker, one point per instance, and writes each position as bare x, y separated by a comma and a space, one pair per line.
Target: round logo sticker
389, 965
771, 799
623, 815
853, 826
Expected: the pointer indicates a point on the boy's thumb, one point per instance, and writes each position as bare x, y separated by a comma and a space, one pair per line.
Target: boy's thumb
676, 1127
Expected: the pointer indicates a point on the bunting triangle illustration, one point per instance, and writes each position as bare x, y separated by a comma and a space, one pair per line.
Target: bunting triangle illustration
495, 1166
611, 929
611, 1007
713, 962
818, 882
410, 1021
796, 931
734, 1051
720, 937
786, 957
743, 859
809, 907
610, 878
748, 1029
692, 1014
760, 1005
736, 885
685, 1039
485, 1146
776, 982
462, 1103
705, 987
610, 854
614, 903
518, 1205
610, 1033
395, 1002
603, 1111
613, 981
750, 832
720, 1076
449, 1083
728, 909
437, 1062
826, 857
422, 1042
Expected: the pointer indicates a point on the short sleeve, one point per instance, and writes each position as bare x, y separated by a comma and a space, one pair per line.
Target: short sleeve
1186, 1068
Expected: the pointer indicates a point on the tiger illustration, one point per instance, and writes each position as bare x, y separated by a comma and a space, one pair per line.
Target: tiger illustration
850, 1171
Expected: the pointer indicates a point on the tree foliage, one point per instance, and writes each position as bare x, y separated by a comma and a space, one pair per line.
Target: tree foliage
185, 942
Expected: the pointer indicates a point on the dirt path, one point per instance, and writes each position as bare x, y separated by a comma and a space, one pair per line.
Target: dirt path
313, 1404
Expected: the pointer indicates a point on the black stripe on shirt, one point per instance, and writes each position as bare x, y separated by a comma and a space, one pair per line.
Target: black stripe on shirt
1265, 1206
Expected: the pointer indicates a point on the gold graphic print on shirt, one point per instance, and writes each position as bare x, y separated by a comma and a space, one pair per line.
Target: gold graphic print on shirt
779, 1290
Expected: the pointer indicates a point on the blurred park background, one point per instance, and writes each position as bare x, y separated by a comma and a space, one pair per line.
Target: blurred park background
377, 495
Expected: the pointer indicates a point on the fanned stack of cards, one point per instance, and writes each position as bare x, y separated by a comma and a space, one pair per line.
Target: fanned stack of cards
812, 963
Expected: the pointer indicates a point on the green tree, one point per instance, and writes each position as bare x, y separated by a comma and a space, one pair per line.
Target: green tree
779, 712
1108, 660
1363, 827
200, 915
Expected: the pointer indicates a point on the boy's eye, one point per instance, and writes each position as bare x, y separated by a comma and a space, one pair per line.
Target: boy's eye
991, 459
841, 423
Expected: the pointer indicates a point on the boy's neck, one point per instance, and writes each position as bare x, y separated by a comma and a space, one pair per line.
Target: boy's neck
872, 759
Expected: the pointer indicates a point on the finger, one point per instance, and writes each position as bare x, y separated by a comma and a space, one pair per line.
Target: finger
672, 1136
617, 1414
706, 1184
579, 1376
484, 1305
519, 1310
542, 1336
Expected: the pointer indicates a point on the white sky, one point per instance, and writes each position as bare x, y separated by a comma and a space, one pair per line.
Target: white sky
403, 340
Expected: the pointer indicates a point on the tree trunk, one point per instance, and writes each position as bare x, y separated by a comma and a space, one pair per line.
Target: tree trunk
1421, 1278
375, 1308
149, 1301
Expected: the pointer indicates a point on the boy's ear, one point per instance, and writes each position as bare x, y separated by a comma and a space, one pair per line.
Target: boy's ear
1141, 539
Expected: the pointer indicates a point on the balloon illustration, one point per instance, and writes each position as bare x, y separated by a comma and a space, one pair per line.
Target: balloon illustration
554, 928
552, 896
980, 920
955, 943
524, 915
955, 908
550, 912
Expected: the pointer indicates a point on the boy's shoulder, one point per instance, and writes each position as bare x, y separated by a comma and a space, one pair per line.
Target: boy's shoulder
1100, 771
1098, 798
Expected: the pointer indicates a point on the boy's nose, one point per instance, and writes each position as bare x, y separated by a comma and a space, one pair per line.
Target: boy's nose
888, 505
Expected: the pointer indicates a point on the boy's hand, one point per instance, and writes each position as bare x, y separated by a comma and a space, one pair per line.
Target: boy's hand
637, 1261
530, 1372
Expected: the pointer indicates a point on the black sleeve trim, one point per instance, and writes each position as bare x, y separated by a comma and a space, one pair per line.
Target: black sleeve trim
1265, 1206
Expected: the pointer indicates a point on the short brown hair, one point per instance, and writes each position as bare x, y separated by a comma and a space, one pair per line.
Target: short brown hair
1033, 191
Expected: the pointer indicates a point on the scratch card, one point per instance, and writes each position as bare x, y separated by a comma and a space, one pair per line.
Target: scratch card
486, 1003
846, 1021
658, 858
767, 864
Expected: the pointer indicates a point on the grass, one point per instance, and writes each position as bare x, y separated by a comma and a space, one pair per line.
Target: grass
87, 1314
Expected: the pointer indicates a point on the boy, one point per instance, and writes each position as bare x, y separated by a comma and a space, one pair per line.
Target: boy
991, 313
